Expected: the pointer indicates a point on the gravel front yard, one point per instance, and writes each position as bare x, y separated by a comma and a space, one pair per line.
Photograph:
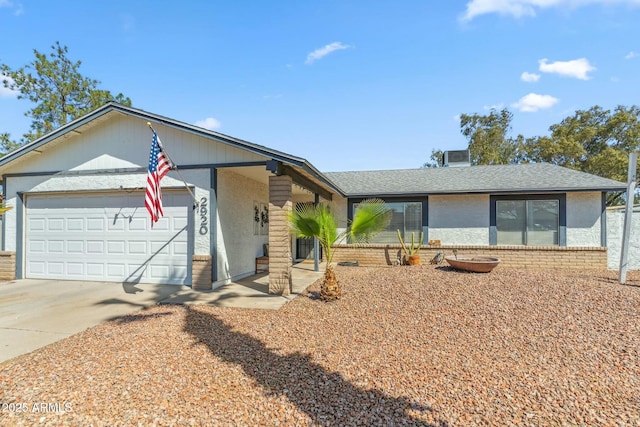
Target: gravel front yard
404, 346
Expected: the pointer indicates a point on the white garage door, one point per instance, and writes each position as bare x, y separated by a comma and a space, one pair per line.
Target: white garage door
108, 237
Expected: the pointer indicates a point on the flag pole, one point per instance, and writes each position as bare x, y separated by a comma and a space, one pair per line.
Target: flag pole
175, 167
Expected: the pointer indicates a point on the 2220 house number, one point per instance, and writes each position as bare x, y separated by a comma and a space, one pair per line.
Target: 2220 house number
204, 229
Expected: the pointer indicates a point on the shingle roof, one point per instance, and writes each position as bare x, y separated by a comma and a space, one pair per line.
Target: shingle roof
540, 177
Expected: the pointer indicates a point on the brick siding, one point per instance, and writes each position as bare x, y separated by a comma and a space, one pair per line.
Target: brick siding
529, 257
201, 272
280, 206
7, 265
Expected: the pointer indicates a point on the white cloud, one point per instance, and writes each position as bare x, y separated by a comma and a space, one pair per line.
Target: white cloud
514, 8
631, 55
533, 102
5, 92
520, 8
529, 77
324, 51
209, 123
18, 9
577, 68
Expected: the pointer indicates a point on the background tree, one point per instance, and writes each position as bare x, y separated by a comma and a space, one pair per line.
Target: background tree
58, 91
6, 144
489, 140
595, 141
435, 160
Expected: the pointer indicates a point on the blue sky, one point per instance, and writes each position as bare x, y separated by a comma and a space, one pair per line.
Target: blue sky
348, 85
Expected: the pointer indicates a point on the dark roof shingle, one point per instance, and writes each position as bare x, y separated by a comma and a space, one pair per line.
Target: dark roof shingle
539, 177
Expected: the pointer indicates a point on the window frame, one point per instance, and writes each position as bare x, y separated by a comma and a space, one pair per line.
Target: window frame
562, 214
410, 199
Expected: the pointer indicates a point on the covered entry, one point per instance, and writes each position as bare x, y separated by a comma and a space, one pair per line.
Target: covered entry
108, 237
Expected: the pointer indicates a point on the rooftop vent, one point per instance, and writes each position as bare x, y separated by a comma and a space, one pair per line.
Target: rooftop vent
456, 158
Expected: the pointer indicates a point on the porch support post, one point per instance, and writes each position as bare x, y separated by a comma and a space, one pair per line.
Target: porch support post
280, 258
316, 245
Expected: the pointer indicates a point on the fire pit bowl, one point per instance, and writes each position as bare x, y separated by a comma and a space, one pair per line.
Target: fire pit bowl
474, 263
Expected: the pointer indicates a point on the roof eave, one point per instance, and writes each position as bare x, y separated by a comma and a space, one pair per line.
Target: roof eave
62, 130
487, 191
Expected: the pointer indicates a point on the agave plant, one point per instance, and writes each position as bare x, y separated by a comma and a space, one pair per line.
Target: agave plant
309, 221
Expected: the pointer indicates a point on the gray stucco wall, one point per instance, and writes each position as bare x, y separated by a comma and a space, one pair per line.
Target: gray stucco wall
460, 219
583, 219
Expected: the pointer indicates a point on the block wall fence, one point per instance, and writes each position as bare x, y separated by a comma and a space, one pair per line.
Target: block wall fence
529, 257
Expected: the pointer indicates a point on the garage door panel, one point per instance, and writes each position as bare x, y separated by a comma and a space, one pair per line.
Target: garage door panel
55, 246
75, 247
55, 268
75, 269
115, 247
138, 224
116, 270
36, 267
158, 271
95, 270
36, 224
137, 248
55, 224
37, 246
118, 224
95, 224
107, 238
75, 224
160, 248
179, 223
180, 248
161, 226
95, 247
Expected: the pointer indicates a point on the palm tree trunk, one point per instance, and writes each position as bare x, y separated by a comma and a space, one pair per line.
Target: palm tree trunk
330, 288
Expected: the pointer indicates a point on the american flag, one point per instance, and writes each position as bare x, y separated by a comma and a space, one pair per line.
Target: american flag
159, 166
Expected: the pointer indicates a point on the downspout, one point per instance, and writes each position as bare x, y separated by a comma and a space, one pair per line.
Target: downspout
316, 245
603, 220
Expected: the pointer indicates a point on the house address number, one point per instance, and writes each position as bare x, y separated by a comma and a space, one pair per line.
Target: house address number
204, 223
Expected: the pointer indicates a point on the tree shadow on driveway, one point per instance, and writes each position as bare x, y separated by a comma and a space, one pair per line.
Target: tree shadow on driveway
326, 397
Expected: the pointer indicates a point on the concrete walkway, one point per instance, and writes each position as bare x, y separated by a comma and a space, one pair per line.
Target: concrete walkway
252, 292
34, 313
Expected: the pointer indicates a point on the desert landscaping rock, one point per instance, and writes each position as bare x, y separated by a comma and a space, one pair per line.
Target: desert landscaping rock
403, 346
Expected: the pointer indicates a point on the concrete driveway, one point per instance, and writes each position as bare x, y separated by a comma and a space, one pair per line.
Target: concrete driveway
34, 313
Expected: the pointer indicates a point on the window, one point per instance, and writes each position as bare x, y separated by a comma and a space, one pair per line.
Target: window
406, 217
537, 221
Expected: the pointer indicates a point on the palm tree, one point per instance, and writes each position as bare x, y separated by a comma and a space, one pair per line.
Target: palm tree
309, 221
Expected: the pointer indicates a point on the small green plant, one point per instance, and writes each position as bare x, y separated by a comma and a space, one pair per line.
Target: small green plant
414, 248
